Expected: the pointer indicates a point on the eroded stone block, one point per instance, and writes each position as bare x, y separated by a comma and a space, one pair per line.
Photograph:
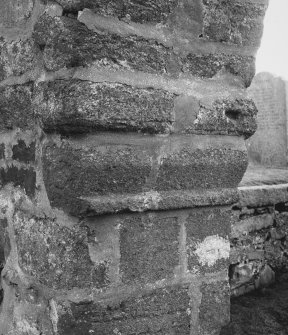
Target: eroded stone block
81, 106
148, 247
17, 57
16, 107
201, 168
101, 165
134, 10
208, 65
43, 245
69, 43
234, 22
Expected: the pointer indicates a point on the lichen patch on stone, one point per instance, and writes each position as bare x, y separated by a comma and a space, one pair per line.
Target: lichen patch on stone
212, 249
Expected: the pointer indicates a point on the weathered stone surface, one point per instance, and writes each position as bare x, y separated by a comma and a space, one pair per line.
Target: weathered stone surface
153, 200
67, 42
17, 57
148, 247
264, 195
197, 169
24, 153
207, 66
228, 116
43, 243
251, 224
138, 11
161, 311
215, 307
25, 178
235, 22
77, 169
16, 108
15, 12
81, 106
208, 246
101, 165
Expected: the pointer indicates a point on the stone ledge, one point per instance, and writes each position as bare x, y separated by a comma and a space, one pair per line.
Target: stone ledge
157, 201
256, 196
96, 23
134, 163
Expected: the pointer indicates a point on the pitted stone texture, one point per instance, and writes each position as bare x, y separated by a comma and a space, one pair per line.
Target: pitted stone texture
197, 169
168, 200
208, 65
138, 11
230, 116
162, 311
17, 57
16, 107
70, 43
207, 232
148, 247
73, 170
80, 106
77, 106
15, 12
233, 22
43, 245
131, 164
262, 195
214, 310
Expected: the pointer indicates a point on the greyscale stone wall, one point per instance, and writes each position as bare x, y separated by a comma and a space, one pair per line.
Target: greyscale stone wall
122, 144
268, 146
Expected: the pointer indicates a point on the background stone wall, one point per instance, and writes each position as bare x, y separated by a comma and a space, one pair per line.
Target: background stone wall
121, 147
259, 239
268, 146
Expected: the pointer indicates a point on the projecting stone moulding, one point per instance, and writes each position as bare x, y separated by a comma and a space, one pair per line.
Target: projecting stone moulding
122, 131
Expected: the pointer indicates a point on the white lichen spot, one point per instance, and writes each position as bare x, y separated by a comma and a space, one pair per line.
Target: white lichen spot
212, 249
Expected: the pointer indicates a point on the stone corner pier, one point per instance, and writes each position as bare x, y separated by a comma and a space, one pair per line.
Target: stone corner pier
122, 127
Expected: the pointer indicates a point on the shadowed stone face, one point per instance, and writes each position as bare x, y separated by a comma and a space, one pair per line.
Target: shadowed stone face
121, 148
